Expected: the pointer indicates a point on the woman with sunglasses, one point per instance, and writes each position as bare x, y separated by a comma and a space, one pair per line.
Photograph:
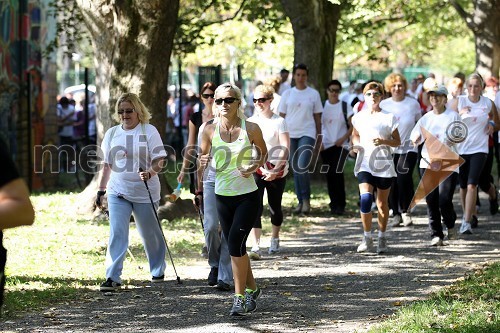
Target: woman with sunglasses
375, 131
407, 112
232, 140
271, 176
131, 146
220, 274
480, 116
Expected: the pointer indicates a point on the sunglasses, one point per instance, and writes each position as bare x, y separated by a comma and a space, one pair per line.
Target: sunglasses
128, 111
207, 96
227, 100
375, 94
260, 100
334, 90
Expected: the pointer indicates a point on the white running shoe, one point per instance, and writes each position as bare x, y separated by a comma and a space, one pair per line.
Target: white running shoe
407, 220
366, 245
436, 241
396, 221
466, 228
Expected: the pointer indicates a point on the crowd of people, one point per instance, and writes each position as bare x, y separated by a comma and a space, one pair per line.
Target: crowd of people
389, 127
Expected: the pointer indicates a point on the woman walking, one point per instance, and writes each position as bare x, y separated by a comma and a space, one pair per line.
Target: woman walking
374, 133
127, 148
232, 140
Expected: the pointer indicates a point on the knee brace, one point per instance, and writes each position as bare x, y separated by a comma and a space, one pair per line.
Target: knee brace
365, 202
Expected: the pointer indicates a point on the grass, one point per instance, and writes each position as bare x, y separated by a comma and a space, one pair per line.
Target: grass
61, 258
472, 305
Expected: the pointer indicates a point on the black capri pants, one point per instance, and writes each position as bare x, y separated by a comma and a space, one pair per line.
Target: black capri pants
237, 214
275, 189
470, 171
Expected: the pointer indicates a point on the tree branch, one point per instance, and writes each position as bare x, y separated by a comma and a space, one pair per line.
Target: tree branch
463, 14
228, 18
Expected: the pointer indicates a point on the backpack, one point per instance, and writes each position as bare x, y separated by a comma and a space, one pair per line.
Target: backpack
344, 111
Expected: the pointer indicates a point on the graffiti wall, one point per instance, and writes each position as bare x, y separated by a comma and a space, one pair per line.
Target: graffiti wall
24, 30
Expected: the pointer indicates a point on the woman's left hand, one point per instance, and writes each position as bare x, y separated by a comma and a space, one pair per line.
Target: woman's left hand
378, 141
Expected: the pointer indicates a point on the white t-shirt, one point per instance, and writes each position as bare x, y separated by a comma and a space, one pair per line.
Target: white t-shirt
407, 113
333, 125
128, 151
271, 129
476, 121
283, 87
299, 107
356, 108
275, 103
66, 114
376, 160
437, 126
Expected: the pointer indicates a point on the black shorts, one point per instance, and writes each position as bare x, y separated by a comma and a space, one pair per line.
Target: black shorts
470, 171
378, 182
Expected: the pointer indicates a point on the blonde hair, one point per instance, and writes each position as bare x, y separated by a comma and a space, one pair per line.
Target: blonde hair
228, 86
374, 85
265, 89
273, 81
142, 112
456, 82
478, 77
391, 80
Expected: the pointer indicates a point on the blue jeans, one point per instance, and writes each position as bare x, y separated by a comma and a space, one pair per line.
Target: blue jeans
120, 211
218, 252
301, 151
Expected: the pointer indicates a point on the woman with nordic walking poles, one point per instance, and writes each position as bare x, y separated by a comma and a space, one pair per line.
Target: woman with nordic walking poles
127, 148
375, 133
232, 140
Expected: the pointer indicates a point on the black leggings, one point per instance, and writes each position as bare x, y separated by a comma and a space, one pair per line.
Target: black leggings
486, 179
274, 190
402, 186
237, 215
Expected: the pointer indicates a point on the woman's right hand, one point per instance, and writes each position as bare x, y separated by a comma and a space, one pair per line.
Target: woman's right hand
204, 160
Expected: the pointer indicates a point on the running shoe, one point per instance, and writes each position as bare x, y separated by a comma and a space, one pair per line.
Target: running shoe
366, 245
110, 285
382, 245
239, 307
251, 299
465, 228
275, 245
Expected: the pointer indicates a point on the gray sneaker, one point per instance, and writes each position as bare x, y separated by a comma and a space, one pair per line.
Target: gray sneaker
275, 245
382, 245
239, 307
366, 245
297, 209
452, 233
306, 206
251, 299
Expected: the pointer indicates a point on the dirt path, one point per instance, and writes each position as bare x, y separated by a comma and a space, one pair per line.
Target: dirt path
318, 283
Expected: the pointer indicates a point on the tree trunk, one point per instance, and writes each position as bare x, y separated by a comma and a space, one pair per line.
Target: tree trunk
485, 24
314, 24
132, 43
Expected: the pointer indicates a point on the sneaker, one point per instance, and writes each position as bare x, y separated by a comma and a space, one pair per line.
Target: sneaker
212, 277
254, 254
474, 222
275, 245
157, 279
396, 221
239, 307
465, 228
452, 233
436, 241
298, 209
110, 285
222, 286
366, 245
407, 220
251, 299
382, 245
494, 204
204, 252
306, 206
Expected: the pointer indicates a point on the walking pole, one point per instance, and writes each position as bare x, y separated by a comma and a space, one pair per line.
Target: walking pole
159, 225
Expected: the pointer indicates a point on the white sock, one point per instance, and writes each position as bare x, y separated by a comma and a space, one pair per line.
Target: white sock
368, 234
381, 234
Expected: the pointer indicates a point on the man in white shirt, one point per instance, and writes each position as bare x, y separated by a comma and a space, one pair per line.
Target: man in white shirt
301, 107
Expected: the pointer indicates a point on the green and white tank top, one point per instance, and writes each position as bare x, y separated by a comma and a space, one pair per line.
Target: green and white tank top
227, 157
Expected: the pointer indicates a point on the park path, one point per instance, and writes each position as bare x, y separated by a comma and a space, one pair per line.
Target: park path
318, 283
